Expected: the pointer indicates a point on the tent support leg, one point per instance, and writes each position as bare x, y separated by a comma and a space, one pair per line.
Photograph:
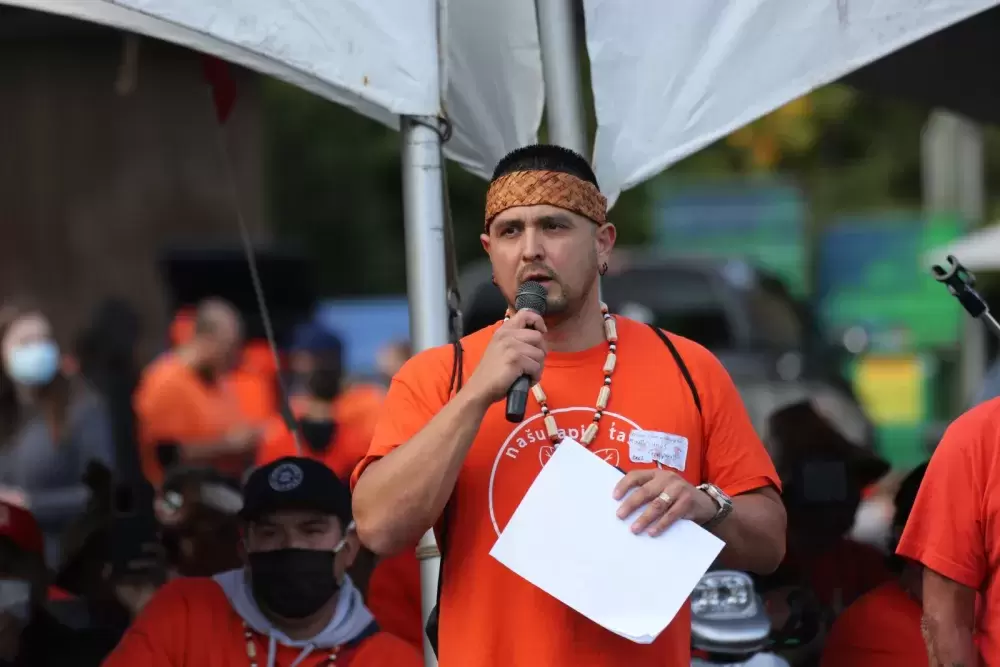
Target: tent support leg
561, 68
954, 182
423, 214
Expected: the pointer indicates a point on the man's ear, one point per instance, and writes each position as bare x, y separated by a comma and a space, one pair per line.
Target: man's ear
352, 546
485, 240
604, 240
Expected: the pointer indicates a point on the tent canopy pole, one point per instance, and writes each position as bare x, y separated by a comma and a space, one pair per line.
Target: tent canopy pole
561, 69
426, 283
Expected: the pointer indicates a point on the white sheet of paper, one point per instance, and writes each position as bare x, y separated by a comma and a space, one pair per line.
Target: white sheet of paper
566, 539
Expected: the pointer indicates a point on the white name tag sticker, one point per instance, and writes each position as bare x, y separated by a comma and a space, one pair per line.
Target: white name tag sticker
657, 447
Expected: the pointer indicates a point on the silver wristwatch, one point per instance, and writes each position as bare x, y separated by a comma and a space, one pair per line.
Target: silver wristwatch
724, 502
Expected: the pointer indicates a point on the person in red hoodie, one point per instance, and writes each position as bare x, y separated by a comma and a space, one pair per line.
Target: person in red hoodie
292, 604
30, 635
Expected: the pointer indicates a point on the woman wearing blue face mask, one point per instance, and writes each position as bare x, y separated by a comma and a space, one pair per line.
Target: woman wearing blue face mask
51, 426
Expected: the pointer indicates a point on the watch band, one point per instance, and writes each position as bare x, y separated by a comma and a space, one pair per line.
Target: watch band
724, 502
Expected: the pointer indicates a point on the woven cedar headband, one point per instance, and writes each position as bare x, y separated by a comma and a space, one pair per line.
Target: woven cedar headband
555, 188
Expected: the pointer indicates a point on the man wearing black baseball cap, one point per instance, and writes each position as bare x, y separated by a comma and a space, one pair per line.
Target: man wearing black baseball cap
292, 603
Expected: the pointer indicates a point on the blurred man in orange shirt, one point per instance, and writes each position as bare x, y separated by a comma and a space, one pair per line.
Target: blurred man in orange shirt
253, 380
882, 629
183, 410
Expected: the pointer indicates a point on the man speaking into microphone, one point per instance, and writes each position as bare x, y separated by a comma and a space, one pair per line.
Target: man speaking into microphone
656, 405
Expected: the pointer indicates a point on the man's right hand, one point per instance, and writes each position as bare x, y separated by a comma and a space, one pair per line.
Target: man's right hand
517, 348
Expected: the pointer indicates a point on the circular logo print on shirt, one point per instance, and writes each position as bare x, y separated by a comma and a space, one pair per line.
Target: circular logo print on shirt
528, 448
285, 477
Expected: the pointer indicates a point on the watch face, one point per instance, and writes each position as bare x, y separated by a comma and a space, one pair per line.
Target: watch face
720, 497
715, 492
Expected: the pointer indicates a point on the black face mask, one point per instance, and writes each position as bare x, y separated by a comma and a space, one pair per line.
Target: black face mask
293, 583
318, 433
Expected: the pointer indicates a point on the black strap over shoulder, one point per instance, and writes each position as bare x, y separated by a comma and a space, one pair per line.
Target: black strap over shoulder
680, 364
454, 386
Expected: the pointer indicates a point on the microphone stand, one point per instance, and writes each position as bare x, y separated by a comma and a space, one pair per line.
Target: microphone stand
960, 282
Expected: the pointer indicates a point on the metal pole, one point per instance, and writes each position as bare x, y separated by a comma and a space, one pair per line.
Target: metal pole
561, 69
423, 214
954, 182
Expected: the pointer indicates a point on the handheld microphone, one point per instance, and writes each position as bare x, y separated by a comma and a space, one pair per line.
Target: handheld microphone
530, 295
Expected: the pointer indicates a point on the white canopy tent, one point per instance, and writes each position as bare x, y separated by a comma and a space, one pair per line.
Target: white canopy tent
671, 78
381, 59
668, 79
979, 251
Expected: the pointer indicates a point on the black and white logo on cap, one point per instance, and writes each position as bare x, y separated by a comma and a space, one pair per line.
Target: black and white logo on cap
286, 477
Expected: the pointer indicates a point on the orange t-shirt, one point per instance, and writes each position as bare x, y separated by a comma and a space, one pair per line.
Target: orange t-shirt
255, 395
355, 424
254, 383
172, 403
490, 616
190, 623
881, 629
953, 528
361, 405
394, 596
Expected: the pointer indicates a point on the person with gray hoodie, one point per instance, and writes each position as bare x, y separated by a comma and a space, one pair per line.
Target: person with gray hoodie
291, 605
53, 426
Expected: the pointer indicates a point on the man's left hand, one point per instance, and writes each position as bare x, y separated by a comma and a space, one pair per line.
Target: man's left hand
666, 496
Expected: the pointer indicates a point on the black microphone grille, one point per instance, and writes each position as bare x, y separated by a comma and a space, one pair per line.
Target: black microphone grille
531, 295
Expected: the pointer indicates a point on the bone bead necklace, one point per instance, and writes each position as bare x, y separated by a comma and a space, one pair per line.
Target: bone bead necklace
611, 335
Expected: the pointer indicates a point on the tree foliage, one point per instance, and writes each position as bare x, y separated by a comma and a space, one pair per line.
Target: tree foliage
334, 180
335, 186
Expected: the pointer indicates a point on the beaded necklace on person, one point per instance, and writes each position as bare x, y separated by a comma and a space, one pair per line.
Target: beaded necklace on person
611, 335
331, 658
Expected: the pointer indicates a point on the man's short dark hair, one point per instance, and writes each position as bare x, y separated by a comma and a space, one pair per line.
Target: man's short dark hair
545, 157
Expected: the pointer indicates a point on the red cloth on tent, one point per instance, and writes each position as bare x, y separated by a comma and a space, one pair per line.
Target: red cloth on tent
220, 77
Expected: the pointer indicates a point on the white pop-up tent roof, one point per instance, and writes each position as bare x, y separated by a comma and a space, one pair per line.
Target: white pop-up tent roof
978, 251
668, 78
379, 58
